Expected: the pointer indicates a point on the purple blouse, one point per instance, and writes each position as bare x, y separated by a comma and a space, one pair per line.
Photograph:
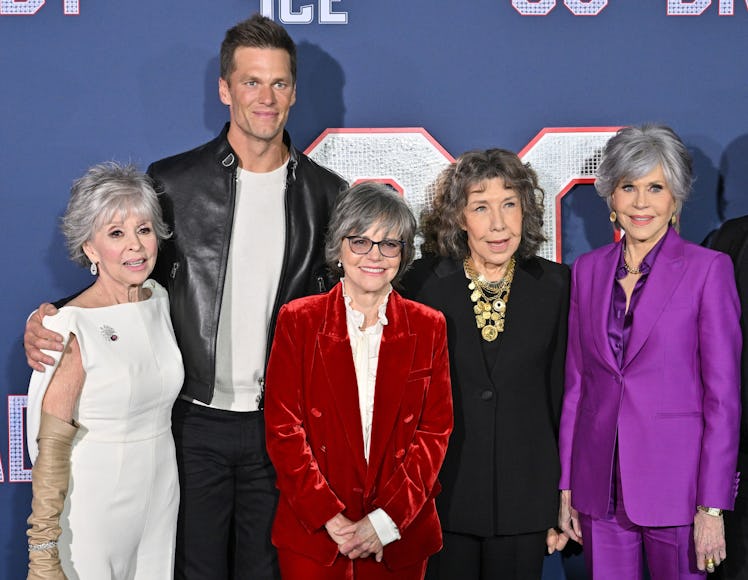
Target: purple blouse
620, 321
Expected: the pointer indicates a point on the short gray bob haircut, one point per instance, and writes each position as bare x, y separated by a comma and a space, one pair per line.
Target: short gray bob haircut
104, 191
635, 151
360, 207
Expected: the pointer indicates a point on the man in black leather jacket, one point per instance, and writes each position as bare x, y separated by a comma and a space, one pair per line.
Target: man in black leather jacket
227, 482
192, 264
228, 489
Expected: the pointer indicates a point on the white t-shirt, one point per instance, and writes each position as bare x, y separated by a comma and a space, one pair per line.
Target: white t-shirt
253, 272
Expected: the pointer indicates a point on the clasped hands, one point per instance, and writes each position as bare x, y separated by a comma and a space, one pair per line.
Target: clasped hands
355, 539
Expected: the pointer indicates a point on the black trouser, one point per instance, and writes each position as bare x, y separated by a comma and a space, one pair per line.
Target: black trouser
228, 495
518, 557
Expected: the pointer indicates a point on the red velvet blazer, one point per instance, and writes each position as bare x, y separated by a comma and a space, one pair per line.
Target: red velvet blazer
314, 433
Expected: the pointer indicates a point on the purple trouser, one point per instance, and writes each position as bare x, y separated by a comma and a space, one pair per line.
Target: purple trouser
613, 546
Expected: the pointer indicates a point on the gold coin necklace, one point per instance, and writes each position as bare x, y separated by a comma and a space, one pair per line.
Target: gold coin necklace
490, 299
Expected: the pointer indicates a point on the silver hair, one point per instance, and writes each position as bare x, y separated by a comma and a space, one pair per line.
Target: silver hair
362, 206
105, 190
635, 151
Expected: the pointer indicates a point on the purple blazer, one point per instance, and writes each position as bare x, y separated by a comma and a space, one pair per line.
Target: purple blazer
675, 403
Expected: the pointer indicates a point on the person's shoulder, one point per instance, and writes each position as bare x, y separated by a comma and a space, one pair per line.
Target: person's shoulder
731, 237
593, 256
693, 251
63, 322
427, 271
419, 277
734, 227
417, 311
309, 169
157, 290
422, 268
213, 149
307, 305
547, 269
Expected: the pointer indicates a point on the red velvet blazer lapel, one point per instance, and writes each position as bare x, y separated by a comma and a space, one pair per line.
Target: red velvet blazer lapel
334, 348
395, 364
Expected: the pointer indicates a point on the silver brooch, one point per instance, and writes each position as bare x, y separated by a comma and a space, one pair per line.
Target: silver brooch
108, 332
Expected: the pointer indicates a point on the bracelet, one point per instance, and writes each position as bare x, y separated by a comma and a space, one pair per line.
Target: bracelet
716, 512
40, 547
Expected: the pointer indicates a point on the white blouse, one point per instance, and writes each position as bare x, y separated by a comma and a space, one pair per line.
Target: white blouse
365, 348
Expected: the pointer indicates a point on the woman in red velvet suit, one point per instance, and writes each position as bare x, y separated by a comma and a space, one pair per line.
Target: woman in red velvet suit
650, 421
358, 407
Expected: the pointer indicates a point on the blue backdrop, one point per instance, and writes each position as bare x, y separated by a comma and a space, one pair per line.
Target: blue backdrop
137, 81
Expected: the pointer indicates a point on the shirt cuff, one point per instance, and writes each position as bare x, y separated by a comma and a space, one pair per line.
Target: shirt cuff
384, 526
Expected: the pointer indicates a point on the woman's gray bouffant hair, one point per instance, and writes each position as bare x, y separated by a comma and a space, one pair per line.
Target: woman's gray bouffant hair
362, 206
442, 225
105, 190
635, 151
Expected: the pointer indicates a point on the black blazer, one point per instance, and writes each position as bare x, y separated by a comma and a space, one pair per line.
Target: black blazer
732, 239
501, 472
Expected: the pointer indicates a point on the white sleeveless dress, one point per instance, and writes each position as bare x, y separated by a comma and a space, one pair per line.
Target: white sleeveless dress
120, 516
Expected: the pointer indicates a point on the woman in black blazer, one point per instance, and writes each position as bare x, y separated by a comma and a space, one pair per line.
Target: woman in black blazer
506, 313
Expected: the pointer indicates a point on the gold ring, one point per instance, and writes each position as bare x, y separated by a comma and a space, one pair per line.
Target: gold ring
710, 564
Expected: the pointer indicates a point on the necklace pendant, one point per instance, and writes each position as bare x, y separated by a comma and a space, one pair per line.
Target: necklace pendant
489, 333
490, 300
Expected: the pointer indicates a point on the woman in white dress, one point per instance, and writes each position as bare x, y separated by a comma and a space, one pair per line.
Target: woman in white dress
105, 488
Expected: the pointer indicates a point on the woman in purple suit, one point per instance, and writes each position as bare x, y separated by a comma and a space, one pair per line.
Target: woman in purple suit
650, 421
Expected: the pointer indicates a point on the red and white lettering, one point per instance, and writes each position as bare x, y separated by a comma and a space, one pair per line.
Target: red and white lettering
687, 7
586, 7
409, 159
305, 14
20, 7
31, 7
727, 7
17, 471
534, 7
71, 7
563, 157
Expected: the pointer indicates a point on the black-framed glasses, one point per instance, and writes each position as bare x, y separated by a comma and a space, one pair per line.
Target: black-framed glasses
388, 248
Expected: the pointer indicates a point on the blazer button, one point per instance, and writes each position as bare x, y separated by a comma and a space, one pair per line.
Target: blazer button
323, 448
486, 395
408, 419
316, 412
400, 453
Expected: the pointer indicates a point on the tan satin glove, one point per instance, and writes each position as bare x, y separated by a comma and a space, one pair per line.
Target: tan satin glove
49, 483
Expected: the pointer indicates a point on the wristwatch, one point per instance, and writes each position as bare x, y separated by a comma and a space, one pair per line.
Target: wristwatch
710, 510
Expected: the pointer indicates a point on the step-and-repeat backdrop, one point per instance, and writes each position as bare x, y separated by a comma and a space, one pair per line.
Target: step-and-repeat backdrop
387, 90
